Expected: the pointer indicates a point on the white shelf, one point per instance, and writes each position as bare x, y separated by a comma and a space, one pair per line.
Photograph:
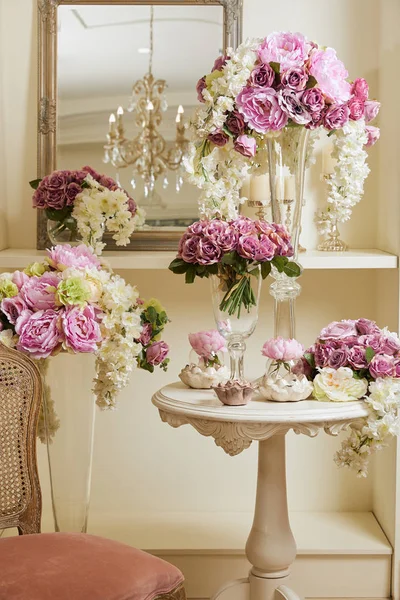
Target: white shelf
16, 258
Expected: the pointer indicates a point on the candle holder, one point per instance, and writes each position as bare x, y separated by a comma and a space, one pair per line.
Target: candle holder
261, 213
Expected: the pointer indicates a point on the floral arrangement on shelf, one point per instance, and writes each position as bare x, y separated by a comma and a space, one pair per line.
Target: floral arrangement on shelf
209, 370
84, 204
270, 87
352, 360
72, 302
234, 251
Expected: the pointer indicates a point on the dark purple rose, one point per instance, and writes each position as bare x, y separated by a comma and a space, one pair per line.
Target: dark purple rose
360, 89
228, 240
132, 206
262, 76
338, 358
246, 145
56, 199
321, 355
219, 138
313, 100
57, 181
79, 176
95, 174
235, 123
382, 366
290, 102
13, 307
336, 116
39, 199
248, 246
302, 367
357, 358
208, 252
373, 340
200, 86
188, 248
367, 327
157, 353
267, 249
295, 78
73, 189
108, 182
220, 62
146, 334
390, 345
356, 108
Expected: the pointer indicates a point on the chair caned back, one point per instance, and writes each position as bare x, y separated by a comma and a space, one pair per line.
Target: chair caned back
20, 400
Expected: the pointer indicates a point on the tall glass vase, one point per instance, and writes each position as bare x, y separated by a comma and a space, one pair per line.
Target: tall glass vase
287, 155
70, 447
236, 322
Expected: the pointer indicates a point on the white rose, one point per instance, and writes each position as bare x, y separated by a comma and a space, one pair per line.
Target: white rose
338, 385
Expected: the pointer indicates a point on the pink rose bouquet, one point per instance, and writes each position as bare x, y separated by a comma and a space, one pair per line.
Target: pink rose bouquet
234, 251
84, 203
72, 303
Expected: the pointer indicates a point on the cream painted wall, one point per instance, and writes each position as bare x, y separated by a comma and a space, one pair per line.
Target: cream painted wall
140, 464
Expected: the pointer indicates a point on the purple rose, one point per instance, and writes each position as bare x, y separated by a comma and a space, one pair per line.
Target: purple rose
215, 227
264, 227
13, 307
356, 108
58, 180
200, 86
81, 329
220, 62
338, 330
337, 358
146, 335
188, 248
281, 238
19, 278
317, 120
390, 344
295, 78
39, 293
382, 366
208, 252
321, 355
266, 250
303, 367
357, 358
228, 240
197, 227
95, 174
246, 145
367, 327
286, 48
373, 134
39, 198
336, 116
244, 226
360, 89
261, 109
397, 368
39, 333
235, 123
109, 183
71, 193
248, 246
132, 206
313, 100
56, 199
219, 138
157, 353
371, 110
290, 102
262, 76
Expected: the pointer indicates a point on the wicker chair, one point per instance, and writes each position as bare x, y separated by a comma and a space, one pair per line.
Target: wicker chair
58, 566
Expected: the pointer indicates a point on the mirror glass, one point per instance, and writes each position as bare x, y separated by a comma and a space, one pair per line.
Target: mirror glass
103, 51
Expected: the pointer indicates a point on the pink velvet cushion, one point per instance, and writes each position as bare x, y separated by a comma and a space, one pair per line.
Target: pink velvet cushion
74, 566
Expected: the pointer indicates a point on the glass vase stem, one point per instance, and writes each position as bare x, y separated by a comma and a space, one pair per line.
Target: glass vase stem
237, 348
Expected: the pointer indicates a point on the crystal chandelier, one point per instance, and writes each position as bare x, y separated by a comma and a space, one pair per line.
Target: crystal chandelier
147, 153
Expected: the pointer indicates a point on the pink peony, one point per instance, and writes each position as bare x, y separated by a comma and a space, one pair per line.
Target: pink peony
39, 293
13, 308
261, 109
360, 89
246, 145
200, 86
207, 343
330, 74
371, 110
157, 353
283, 350
262, 76
339, 330
19, 278
295, 78
81, 329
373, 134
286, 48
63, 256
336, 116
39, 333
382, 366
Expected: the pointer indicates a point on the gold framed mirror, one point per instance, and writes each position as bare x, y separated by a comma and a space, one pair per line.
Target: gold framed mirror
94, 57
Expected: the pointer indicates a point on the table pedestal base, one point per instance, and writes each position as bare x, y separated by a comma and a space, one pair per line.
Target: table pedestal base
256, 588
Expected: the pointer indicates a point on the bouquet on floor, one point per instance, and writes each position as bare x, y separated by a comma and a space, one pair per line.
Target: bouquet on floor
234, 251
353, 360
81, 205
72, 302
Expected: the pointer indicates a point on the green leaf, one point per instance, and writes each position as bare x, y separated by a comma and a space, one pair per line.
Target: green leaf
152, 314
280, 262
190, 274
58, 215
230, 258
35, 183
212, 270
312, 82
292, 269
265, 269
85, 185
276, 67
227, 131
178, 266
369, 353
310, 359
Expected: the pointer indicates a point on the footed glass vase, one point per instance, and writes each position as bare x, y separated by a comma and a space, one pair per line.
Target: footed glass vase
69, 400
235, 300
63, 232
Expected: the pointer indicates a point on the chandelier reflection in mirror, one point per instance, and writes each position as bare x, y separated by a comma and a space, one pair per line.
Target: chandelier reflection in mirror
147, 153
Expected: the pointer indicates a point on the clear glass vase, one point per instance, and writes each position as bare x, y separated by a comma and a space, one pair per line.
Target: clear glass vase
236, 318
61, 232
70, 447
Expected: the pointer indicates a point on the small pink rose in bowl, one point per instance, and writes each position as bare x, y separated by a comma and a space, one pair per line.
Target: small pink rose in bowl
283, 350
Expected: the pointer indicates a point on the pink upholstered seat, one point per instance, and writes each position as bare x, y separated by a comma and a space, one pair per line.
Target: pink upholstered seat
71, 566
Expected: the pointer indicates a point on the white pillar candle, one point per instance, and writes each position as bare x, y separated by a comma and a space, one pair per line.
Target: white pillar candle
328, 163
259, 188
245, 191
290, 187
280, 188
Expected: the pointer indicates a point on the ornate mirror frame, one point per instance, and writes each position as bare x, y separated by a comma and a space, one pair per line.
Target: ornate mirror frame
47, 98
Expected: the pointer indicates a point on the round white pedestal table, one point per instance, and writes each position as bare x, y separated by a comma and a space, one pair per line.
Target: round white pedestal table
270, 548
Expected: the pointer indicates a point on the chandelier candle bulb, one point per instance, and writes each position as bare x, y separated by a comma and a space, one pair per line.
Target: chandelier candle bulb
259, 188
111, 122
